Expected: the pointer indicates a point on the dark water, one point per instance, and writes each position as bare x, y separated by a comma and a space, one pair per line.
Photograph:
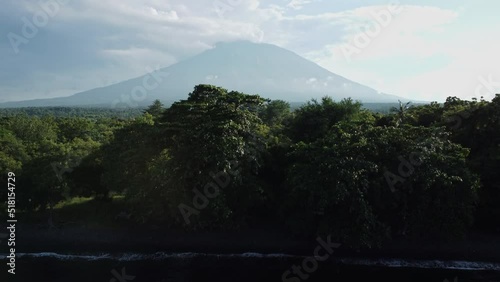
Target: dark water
162, 267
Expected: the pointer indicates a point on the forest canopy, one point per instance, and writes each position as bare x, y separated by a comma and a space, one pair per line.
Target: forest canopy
225, 160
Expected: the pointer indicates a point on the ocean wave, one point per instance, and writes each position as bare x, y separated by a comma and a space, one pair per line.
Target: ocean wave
389, 263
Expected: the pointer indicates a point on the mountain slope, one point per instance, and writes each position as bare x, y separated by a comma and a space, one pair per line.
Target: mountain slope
264, 69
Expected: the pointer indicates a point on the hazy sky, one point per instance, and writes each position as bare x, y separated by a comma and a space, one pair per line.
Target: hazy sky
416, 49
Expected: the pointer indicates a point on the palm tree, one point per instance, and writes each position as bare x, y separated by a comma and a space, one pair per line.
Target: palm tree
401, 112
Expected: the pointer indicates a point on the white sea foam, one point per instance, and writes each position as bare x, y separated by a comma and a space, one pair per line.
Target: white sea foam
430, 264
390, 263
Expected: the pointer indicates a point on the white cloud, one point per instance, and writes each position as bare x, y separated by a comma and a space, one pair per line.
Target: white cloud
417, 36
312, 80
211, 77
403, 36
298, 4
425, 52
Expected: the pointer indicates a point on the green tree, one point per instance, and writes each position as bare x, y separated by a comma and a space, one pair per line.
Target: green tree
274, 113
477, 126
125, 158
339, 185
156, 109
315, 119
214, 133
401, 112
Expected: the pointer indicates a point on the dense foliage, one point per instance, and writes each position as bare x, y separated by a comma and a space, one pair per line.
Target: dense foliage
91, 113
225, 160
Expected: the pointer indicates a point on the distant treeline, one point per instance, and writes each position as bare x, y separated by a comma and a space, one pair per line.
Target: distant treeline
225, 160
86, 112
132, 112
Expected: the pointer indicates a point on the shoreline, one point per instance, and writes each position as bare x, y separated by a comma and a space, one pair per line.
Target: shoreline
479, 247
395, 263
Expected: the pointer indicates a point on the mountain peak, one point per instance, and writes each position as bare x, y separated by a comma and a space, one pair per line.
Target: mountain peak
237, 44
245, 46
254, 68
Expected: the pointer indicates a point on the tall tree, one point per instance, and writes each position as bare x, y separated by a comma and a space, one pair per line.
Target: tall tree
213, 134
